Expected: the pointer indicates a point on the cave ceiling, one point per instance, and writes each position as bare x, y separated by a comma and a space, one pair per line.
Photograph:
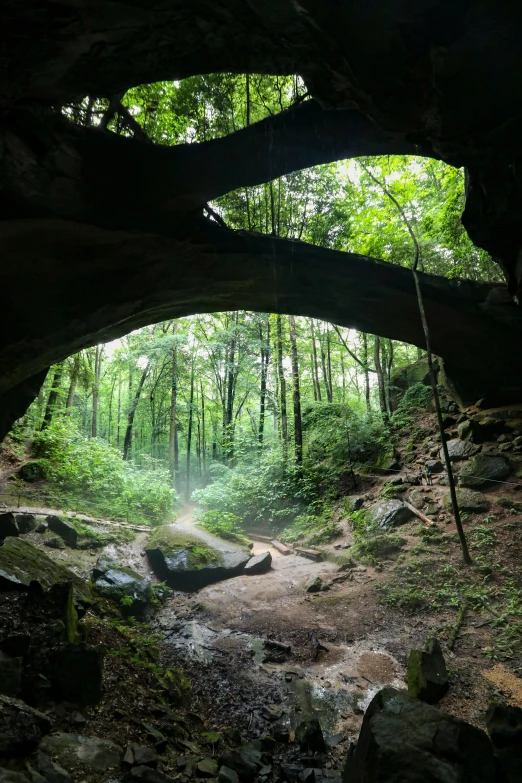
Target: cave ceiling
83, 210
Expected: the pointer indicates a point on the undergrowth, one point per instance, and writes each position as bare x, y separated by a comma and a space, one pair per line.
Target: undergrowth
223, 524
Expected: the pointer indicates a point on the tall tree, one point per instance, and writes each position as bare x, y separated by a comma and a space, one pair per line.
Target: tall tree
189, 431
98, 355
173, 421
282, 385
127, 443
52, 400
298, 426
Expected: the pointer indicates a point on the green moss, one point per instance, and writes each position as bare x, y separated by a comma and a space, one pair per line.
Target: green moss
91, 537
21, 563
170, 541
378, 547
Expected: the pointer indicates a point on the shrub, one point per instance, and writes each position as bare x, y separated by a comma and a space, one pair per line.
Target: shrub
223, 524
87, 472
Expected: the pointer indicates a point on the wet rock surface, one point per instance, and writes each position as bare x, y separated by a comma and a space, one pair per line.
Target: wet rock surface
259, 564
8, 526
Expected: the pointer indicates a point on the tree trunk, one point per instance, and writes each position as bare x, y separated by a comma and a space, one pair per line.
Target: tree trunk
52, 400
282, 386
325, 370
203, 439
316, 367
98, 354
109, 428
118, 427
189, 433
366, 371
380, 378
265, 359
329, 362
132, 410
298, 426
230, 395
173, 428
72, 385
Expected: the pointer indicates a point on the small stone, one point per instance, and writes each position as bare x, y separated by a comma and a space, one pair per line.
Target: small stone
227, 775
291, 773
272, 712
144, 756
41, 528
77, 718
51, 771
181, 762
55, 543
314, 585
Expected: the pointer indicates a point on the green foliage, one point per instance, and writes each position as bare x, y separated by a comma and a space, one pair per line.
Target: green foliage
315, 529
223, 524
260, 491
417, 396
87, 472
378, 547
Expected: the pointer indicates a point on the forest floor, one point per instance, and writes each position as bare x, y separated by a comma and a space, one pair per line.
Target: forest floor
368, 618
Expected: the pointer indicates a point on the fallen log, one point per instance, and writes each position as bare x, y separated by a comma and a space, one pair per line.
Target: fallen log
419, 514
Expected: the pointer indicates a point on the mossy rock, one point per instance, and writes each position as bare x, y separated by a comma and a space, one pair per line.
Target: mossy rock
188, 563
129, 590
22, 563
35, 470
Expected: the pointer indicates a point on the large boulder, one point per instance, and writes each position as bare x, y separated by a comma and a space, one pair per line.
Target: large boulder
8, 526
26, 523
504, 723
74, 749
484, 471
22, 563
130, 591
76, 672
469, 501
259, 564
404, 740
480, 429
458, 449
389, 513
388, 461
21, 727
187, 562
427, 673
63, 529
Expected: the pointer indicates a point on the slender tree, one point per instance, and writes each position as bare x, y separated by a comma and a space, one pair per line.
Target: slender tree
298, 426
